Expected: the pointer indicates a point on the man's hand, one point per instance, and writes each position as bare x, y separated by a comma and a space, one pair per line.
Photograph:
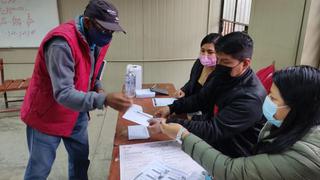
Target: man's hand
162, 112
179, 94
118, 101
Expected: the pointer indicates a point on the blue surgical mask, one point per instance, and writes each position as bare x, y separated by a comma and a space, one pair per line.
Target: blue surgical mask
269, 109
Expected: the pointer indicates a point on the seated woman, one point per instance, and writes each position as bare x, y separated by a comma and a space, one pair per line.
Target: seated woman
202, 68
289, 143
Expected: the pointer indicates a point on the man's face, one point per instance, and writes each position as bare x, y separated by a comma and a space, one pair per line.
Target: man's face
238, 67
97, 34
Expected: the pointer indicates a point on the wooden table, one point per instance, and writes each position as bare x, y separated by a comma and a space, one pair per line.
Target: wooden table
121, 134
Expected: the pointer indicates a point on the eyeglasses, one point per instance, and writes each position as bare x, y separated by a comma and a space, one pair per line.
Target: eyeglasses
100, 28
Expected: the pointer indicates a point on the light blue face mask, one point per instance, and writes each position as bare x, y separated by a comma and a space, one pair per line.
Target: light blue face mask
269, 109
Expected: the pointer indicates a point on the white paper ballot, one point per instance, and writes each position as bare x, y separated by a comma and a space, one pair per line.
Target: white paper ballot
157, 102
135, 113
138, 132
144, 93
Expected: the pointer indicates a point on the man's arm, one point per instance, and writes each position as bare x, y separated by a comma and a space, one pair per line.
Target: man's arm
197, 101
232, 119
98, 87
60, 66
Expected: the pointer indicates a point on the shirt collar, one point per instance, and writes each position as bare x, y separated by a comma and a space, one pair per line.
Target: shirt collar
80, 28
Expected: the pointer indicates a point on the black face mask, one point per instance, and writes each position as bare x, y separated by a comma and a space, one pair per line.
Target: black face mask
223, 72
223, 79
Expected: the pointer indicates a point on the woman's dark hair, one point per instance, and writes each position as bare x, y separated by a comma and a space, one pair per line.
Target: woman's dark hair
211, 38
299, 87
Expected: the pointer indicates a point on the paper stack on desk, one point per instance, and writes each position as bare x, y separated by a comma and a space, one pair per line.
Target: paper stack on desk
158, 102
135, 113
144, 93
138, 132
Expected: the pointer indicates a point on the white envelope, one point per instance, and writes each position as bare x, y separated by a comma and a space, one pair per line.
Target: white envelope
135, 113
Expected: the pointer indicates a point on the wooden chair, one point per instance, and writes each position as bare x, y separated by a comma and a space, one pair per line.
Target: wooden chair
11, 85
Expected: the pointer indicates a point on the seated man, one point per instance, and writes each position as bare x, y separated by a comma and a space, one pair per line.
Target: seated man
235, 91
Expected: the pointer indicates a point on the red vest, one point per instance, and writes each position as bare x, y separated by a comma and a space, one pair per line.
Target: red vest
39, 109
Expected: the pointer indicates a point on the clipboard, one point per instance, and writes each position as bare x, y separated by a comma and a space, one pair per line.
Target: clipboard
101, 70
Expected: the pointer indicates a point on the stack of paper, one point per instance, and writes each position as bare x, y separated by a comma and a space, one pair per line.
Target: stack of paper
157, 102
135, 113
138, 132
144, 93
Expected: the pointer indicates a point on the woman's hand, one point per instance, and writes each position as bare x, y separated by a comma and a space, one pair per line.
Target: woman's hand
171, 129
158, 125
154, 125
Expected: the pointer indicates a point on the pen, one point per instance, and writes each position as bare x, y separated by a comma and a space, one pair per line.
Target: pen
144, 114
154, 101
153, 86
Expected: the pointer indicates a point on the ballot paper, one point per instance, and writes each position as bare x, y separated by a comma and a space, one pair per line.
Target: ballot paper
157, 102
135, 113
159, 170
135, 158
144, 93
138, 132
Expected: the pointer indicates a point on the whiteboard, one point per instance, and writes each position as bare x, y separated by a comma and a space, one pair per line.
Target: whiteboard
23, 23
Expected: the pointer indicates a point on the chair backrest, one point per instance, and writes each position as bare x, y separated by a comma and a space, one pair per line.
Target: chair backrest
265, 75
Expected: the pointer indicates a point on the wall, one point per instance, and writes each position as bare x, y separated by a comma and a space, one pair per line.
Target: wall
19, 61
275, 27
309, 52
285, 31
162, 35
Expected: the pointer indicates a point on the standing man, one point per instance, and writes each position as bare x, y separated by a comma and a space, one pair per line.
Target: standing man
65, 86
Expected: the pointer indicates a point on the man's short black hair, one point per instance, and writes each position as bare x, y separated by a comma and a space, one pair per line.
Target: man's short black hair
239, 45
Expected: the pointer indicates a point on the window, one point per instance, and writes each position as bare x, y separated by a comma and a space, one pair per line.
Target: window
235, 16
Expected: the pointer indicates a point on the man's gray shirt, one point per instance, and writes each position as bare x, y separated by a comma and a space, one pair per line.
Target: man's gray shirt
61, 68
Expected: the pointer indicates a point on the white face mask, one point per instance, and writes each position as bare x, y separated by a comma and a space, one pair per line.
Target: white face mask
269, 109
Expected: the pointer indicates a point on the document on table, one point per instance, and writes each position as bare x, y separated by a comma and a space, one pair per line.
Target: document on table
159, 170
138, 132
157, 102
136, 157
144, 93
135, 113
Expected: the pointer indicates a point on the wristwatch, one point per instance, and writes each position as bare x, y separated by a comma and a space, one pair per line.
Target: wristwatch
179, 135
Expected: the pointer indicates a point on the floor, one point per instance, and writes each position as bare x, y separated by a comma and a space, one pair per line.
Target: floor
14, 152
